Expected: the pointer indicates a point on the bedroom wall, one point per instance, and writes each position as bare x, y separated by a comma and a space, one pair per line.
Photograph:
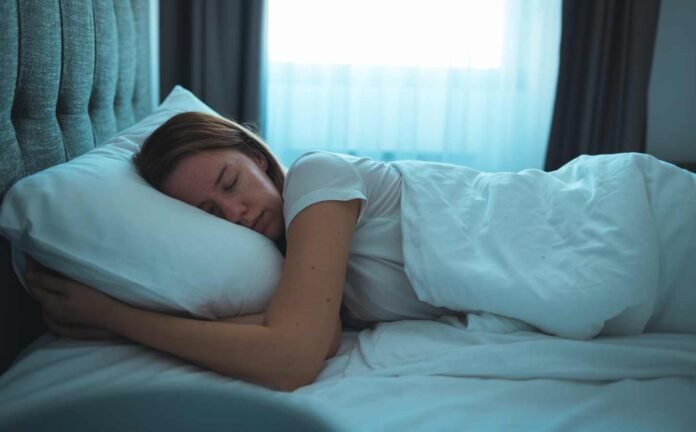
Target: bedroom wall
671, 131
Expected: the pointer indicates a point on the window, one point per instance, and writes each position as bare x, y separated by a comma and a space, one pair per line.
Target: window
469, 82
436, 33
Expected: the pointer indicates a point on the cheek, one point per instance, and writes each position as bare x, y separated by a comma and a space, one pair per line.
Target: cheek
276, 199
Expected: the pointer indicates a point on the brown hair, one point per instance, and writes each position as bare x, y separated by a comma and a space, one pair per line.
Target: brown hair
189, 133
195, 132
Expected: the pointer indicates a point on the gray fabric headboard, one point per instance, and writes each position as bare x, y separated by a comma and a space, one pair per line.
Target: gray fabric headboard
72, 74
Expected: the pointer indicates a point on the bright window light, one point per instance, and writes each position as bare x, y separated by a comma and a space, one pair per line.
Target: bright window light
432, 33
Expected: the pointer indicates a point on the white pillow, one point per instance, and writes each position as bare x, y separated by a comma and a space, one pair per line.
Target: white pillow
96, 220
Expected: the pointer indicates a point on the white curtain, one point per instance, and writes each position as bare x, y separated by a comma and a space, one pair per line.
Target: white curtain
465, 82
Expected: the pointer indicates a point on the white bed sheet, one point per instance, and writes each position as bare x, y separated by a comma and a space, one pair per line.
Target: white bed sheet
480, 374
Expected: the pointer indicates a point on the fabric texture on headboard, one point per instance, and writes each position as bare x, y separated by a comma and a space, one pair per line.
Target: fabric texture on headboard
73, 73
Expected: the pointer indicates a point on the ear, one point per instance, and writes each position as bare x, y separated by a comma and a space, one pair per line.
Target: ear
261, 162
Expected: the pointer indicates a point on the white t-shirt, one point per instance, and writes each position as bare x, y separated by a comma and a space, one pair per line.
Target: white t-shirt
376, 287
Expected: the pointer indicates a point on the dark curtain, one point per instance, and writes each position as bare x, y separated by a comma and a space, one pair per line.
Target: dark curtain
214, 48
605, 61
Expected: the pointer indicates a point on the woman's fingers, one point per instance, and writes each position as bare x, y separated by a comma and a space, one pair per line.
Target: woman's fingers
53, 305
46, 281
47, 298
58, 328
75, 331
52, 325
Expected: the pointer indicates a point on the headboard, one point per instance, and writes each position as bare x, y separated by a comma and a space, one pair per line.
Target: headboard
72, 74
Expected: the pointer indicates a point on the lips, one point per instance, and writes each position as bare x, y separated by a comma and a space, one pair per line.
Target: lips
257, 224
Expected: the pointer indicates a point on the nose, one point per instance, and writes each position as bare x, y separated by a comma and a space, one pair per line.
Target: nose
233, 211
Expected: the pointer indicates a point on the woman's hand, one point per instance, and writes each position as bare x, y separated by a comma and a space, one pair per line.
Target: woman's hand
70, 308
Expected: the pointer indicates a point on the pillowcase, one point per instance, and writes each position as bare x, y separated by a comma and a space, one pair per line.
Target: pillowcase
97, 221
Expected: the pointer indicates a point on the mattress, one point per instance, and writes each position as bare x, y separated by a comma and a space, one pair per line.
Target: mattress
473, 373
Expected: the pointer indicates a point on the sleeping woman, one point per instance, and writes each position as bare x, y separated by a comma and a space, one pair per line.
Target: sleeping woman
600, 246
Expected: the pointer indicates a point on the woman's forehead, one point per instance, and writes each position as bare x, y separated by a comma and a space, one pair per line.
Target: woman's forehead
199, 164
196, 173
205, 161
209, 163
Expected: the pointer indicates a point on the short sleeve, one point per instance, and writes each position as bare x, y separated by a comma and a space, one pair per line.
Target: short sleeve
321, 176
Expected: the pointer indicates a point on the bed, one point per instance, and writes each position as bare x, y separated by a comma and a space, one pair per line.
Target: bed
65, 91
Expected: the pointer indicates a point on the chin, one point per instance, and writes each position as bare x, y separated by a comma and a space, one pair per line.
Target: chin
275, 235
277, 230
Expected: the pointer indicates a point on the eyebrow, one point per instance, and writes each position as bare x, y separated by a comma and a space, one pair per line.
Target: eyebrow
217, 182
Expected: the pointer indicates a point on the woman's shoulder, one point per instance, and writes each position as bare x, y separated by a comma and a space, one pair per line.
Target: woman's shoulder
320, 159
319, 168
320, 176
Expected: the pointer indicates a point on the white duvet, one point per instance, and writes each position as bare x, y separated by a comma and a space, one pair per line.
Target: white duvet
604, 245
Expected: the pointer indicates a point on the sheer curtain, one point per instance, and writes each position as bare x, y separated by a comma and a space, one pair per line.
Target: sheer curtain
465, 82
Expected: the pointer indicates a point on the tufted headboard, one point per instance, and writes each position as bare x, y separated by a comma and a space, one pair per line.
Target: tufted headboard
72, 74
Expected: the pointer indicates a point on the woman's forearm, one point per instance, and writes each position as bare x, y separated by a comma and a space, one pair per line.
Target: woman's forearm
259, 319
249, 352
256, 319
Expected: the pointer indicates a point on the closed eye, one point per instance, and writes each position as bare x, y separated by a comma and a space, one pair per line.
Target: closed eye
230, 186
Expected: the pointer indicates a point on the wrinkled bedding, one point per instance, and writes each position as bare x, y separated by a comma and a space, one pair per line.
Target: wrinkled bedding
604, 245
599, 250
475, 373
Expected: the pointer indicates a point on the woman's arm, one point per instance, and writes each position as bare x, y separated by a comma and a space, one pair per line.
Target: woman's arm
301, 324
300, 328
248, 352
258, 319
255, 319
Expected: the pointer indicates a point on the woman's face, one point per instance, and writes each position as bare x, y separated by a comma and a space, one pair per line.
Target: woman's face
232, 186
